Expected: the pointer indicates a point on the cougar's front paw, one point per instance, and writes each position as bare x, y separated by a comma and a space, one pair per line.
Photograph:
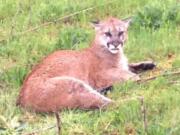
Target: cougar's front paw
142, 66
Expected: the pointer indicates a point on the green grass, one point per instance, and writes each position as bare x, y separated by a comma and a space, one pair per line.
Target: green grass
153, 36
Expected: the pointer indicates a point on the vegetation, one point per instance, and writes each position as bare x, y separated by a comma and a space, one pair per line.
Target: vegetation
154, 35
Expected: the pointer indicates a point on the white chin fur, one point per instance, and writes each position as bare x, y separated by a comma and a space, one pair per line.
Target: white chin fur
114, 51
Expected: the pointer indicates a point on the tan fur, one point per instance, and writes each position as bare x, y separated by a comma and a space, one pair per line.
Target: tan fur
96, 66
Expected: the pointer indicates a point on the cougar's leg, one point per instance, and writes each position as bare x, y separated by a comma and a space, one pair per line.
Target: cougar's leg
141, 66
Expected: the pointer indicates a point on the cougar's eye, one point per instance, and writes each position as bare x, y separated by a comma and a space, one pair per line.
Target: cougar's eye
120, 33
108, 34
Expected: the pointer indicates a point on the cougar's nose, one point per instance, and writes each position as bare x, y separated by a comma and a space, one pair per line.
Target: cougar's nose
116, 43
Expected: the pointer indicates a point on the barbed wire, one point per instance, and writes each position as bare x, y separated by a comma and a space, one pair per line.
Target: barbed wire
58, 19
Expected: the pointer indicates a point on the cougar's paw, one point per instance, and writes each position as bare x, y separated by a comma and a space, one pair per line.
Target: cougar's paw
148, 65
142, 66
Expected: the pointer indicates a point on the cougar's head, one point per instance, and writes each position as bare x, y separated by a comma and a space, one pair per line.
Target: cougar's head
111, 33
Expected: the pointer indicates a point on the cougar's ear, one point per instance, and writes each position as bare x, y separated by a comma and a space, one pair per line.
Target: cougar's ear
127, 21
96, 24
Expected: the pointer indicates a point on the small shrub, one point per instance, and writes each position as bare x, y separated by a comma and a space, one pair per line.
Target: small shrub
149, 17
14, 75
72, 38
173, 14
155, 16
